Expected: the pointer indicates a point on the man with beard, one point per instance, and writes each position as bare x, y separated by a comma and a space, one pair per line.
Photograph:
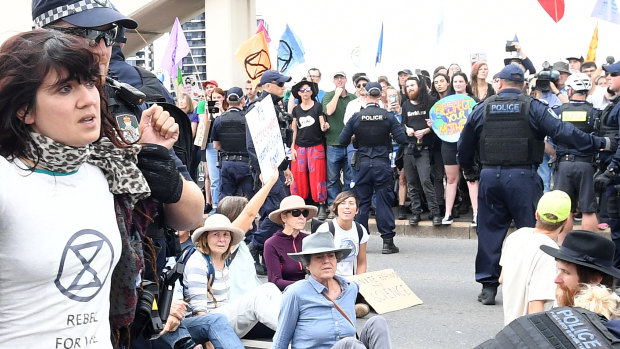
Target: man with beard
584, 258
416, 160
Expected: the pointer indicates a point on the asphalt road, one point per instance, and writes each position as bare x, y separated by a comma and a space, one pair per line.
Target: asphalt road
441, 273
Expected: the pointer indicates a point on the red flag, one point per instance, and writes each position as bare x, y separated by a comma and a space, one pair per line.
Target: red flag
591, 56
555, 8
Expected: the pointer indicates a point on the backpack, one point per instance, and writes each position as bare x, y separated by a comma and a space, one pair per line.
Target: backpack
315, 223
187, 252
559, 328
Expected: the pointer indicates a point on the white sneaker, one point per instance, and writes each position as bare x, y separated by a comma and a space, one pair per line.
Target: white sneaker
447, 220
474, 222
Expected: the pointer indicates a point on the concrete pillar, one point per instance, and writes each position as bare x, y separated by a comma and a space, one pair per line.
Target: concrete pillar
227, 24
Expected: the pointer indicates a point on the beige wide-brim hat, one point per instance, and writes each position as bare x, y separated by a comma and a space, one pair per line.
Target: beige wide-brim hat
290, 203
219, 222
319, 243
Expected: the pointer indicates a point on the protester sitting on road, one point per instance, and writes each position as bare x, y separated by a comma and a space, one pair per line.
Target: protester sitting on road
292, 214
584, 258
64, 167
527, 272
207, 280
307, 320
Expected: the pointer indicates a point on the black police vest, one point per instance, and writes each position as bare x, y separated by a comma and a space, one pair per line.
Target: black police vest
609, 127
507, 138
232, 132
151, 86
373, 129
563, 327
127, 116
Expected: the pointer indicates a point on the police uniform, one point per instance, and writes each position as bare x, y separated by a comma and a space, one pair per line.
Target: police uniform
372, 127
229, 131
508, 131
575, 169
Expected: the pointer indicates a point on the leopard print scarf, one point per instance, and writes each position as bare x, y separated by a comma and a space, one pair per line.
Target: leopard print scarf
118, 164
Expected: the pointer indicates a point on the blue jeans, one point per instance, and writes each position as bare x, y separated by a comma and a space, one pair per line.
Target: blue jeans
210, 327
337, 159
214, 175
545, 172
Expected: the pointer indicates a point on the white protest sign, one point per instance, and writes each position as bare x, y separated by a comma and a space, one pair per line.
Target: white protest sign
384, 291
265, 131
192, 87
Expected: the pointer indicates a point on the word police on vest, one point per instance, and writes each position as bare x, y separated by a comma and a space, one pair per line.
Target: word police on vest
372, 117
580, 332
505, 108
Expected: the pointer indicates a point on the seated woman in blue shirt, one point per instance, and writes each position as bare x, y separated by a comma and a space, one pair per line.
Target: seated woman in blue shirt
318, 312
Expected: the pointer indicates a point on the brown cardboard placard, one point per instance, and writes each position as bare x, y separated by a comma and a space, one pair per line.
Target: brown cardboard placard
384, 291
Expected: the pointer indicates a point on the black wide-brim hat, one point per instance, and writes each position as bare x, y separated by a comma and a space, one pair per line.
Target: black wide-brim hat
587, 249
297, 86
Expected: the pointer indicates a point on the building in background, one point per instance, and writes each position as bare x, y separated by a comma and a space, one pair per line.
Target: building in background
145, 58
196, 63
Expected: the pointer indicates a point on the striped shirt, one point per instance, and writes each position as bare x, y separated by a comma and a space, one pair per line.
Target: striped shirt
196, 292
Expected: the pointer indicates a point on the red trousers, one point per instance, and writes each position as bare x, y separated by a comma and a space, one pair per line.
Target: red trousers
309, 173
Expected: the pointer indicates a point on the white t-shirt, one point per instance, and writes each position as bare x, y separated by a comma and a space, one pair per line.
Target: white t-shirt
528, 272
347, 239
60, 243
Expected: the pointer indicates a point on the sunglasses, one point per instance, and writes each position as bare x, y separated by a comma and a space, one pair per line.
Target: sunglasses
361, 85
92, 35
614, 74
279, 83
297, 212
307, 89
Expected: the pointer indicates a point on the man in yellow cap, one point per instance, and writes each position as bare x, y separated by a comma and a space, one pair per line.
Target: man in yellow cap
527, 272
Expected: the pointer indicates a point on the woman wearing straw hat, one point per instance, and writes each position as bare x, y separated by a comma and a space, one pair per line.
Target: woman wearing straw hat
207, 278
317, 311
292, 214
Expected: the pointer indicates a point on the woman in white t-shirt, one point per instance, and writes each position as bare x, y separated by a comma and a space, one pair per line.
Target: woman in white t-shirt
348, 234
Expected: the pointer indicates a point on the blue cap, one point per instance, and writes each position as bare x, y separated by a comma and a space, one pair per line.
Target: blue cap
234, 94
612, 68
80, 13
272, 75
512, 72
373, 89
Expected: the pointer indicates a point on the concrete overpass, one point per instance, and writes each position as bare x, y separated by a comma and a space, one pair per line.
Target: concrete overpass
228, 23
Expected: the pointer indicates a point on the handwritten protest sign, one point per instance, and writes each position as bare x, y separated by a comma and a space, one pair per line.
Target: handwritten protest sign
263, 125
449, 115
385, 291
192, 87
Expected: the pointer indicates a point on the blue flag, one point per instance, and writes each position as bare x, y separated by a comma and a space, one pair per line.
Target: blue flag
379, 47
290, 51
606, 10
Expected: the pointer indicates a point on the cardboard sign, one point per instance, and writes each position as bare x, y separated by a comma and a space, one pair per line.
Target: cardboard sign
192, 87
385, 291
449, 115
265, 131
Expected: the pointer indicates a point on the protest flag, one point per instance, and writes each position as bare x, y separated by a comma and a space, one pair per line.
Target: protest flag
606, 10
591, 56
253, 55
290, 51
175, 51
261, 28
555, 8
379, 47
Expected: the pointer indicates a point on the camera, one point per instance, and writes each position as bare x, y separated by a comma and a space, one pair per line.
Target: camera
510, 47
212, 108
546, 76
147, 321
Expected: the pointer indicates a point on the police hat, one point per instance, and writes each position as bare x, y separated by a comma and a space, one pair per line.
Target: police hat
80, 13
612, 68
512, 72
234, 94
273, 76
373, 89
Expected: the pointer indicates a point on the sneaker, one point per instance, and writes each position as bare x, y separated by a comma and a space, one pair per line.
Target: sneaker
603, 226
447, 220
437, 221
474, 221
361, 310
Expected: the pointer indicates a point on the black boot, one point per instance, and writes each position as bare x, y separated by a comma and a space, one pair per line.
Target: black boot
323, 212
389, 247
255, 253
402, 212
415, 219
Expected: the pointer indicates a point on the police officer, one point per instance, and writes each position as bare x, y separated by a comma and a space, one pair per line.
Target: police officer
508, 131
272, 84
575, 169
372, 128
180, 201
608, 180
228, 136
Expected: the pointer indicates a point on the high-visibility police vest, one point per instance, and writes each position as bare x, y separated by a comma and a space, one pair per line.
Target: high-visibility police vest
507, 138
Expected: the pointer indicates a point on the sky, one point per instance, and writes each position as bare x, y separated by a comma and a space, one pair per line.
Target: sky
343, 34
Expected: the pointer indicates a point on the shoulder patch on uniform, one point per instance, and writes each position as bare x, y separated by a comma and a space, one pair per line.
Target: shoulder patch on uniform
553, 113
543, 101
129, 125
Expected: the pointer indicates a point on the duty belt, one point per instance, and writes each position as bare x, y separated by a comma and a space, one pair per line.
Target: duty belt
496, 167
576, 158
236, 158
